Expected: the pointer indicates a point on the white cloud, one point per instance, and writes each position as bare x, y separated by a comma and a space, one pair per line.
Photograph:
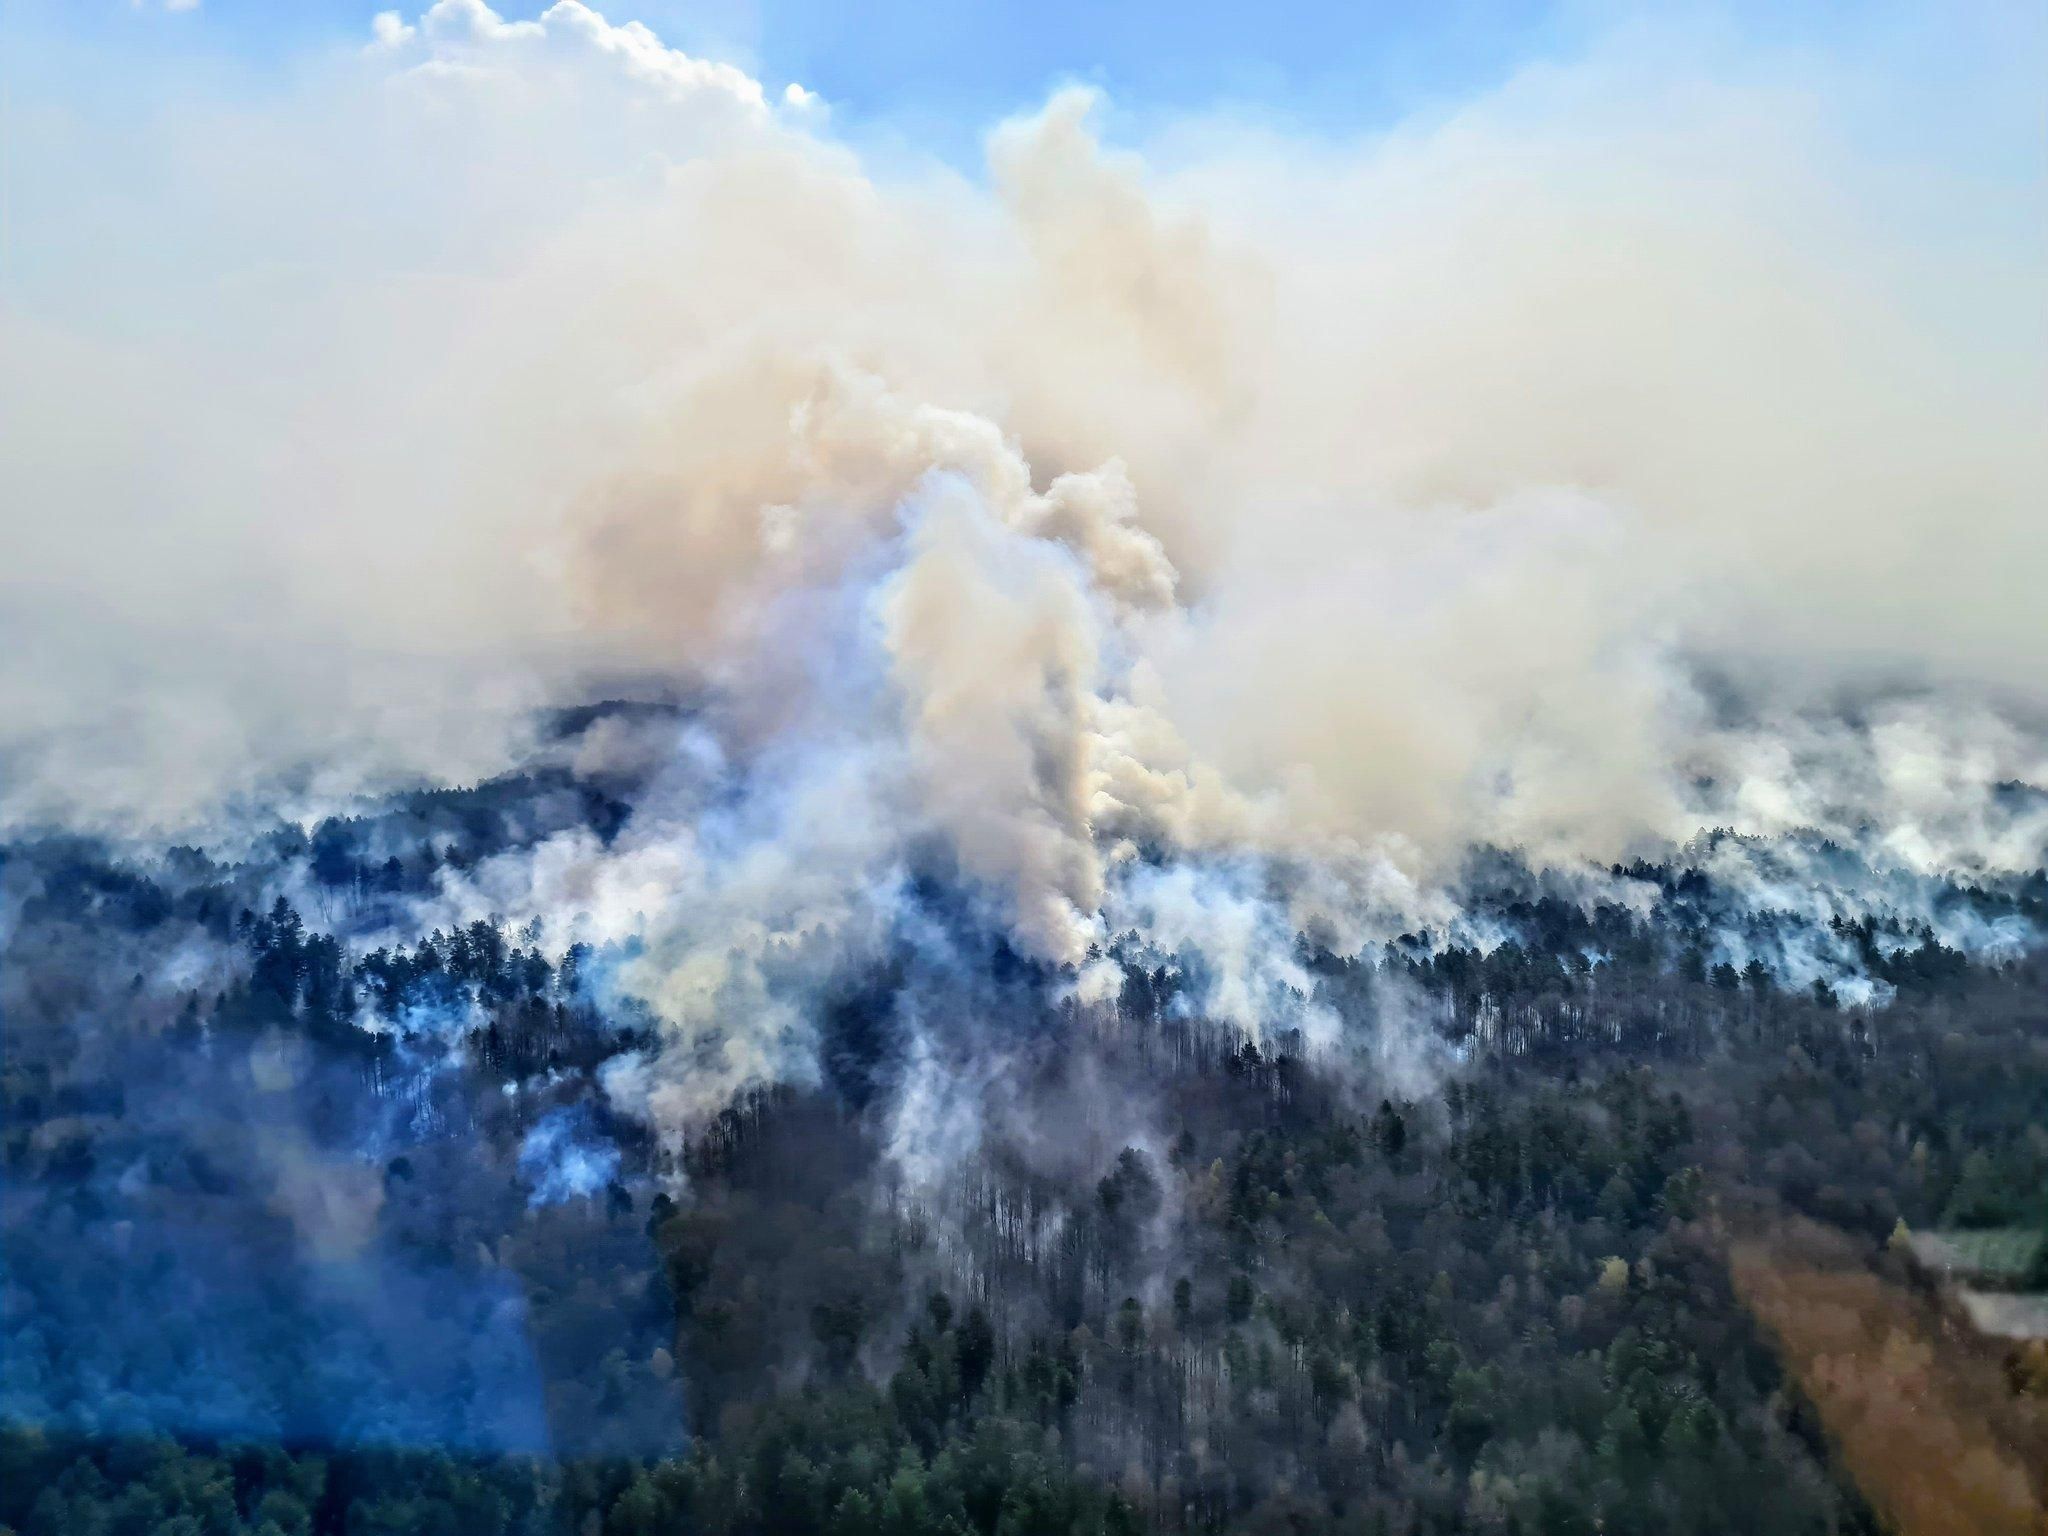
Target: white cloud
388, 29
468, 35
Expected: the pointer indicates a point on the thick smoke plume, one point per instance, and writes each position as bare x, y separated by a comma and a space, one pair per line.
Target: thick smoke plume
1165, 552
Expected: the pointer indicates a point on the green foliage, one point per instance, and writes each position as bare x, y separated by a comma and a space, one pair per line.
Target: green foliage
1299, 1305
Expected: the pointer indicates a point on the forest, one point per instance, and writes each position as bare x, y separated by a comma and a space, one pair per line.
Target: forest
784, 769
312, 1229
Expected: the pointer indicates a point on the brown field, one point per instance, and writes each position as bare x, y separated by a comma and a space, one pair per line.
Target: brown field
1922, 1412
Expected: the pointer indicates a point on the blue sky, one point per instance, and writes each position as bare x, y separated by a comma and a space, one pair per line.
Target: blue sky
937, 73
950, 70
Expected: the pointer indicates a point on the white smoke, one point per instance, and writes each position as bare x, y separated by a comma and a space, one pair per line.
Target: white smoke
561, 1159
1645, 445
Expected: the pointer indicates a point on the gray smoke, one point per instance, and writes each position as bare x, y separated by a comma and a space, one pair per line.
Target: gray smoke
1175, 550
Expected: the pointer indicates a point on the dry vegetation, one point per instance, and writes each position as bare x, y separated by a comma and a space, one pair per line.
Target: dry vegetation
1921, 1412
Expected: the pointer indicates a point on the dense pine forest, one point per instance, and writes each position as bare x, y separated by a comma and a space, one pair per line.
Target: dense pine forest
313, 1227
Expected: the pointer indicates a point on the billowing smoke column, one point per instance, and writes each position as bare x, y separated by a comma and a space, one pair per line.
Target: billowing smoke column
929, 670
1112, 561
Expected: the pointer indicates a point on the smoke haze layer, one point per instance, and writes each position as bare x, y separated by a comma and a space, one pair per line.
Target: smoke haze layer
1186, 546
1499, 474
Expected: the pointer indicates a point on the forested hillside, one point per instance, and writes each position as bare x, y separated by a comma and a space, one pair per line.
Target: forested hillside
1157, 769
313, 1228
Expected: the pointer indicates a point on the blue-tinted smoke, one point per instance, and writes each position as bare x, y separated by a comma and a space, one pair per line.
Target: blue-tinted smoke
563, 1158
